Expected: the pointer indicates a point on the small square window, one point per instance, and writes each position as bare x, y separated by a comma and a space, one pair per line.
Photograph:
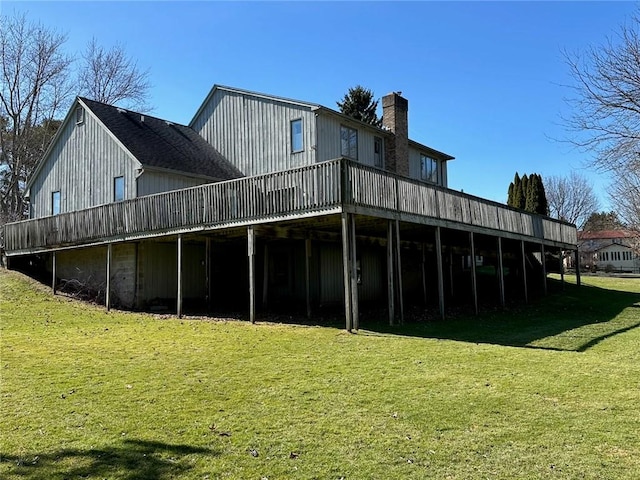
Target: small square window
55, 203
118, 189
297, 138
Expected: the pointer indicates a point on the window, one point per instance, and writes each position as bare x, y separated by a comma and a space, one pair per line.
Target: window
428, 169
297, 141
118, 189
377, 152
55, 203
79, 115
349, 142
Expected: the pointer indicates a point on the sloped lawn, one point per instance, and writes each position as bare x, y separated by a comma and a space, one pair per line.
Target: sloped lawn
548, 391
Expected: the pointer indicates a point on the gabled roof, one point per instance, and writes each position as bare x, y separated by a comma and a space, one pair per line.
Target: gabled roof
314, 107
160, 144
604, 234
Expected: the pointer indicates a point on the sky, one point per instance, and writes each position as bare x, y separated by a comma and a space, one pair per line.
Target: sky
486, 81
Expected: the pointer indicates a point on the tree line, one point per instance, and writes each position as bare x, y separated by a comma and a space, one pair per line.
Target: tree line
39, 79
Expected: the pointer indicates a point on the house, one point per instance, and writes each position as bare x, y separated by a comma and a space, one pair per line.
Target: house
264, 202
609, 250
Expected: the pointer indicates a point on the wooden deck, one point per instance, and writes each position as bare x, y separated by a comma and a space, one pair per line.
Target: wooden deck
325, 188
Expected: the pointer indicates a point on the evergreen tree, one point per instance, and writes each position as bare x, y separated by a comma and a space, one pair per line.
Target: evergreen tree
359, 103
527, 193
515, 192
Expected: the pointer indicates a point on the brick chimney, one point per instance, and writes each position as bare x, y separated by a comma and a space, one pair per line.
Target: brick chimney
395, 113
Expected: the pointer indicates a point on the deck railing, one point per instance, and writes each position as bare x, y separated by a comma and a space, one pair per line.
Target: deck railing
373, 188
310, 190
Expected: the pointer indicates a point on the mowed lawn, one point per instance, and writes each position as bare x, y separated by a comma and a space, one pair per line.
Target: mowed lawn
547, 391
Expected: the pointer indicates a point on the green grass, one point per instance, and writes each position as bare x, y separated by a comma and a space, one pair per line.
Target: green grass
548, 391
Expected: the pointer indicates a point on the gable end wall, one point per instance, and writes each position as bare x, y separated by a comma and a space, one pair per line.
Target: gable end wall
81, 165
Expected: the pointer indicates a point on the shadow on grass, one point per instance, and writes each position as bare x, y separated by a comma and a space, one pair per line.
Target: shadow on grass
134, 459
575, 320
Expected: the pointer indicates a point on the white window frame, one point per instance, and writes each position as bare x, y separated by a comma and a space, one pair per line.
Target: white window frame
79, 115
349, 147
56, 200
294, 135
429, 169
378, 157
116, 181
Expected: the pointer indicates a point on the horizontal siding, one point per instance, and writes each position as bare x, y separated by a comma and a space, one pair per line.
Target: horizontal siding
81, 165
253, 133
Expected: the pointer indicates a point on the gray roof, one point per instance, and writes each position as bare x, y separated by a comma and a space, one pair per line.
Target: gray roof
161, 144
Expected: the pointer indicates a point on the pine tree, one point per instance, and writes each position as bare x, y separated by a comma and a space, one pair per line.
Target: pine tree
359, 103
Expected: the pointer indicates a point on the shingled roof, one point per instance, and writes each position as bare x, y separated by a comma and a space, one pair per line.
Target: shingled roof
161, 144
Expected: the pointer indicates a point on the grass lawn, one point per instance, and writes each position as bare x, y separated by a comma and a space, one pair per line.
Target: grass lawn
548, 391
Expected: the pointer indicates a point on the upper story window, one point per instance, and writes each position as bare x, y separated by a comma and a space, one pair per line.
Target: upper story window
377, 152
348, 142
297, 139
55, 203
428, 169
118, 189
79, 115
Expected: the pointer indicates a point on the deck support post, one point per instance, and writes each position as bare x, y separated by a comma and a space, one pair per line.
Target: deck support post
265, 277
399, 272
524, 272
561, 265
390, 273
474, 280
307, 274
207, 266
179, 293
543, 256
107, 292
424, 273
354, 276
346, 267
440, 271
451, 290
251, 253
54, 272
578, 279
501, 274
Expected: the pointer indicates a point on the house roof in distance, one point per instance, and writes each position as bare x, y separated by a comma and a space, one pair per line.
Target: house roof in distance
604, 234
161, 144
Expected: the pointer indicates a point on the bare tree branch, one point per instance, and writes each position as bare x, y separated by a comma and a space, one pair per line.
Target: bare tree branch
109, 76
571, 198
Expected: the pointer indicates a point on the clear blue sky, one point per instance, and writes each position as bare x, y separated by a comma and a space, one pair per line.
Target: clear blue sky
483, 79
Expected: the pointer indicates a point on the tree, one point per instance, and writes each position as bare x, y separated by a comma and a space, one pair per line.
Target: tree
605, 118
33, 90
571, 198
528, 193
603, 221
109, 76
359, 103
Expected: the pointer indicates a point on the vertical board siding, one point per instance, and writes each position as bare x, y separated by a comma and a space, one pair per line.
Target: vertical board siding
82, 165
329, 143
253, 132
150, 182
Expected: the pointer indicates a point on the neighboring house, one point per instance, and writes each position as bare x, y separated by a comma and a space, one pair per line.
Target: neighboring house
609, 250
272, 202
